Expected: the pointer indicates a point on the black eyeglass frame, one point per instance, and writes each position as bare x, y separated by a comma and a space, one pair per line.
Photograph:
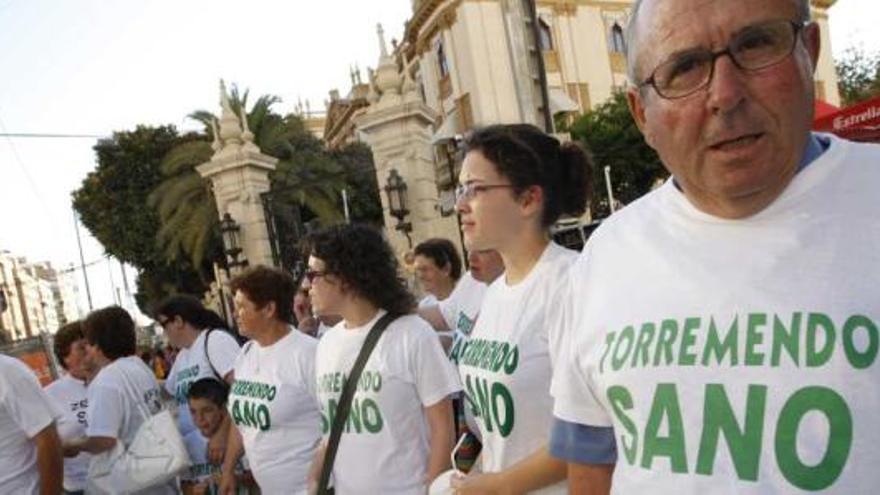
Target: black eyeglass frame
797, 27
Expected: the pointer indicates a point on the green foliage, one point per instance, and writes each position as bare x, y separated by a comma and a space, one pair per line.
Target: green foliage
111, 204
858, 75
612, 137
359, 173
148, 206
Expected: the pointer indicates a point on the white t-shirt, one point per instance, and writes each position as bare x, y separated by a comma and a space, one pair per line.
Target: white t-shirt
427, 301
25, 410
729, 354
460, 311
69, 395
274, 407
385, 447
506, 366
113, 411
192, 365
203, 471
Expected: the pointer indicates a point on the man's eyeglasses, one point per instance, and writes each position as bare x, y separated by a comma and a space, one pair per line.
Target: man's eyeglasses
754, 48
466, 192
311, 275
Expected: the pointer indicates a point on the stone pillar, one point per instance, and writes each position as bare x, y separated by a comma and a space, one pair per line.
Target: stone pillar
239, 174
398, 128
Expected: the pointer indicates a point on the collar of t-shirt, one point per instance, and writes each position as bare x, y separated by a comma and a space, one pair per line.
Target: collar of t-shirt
816, 145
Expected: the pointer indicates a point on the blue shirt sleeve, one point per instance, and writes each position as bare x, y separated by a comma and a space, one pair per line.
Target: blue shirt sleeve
582, 444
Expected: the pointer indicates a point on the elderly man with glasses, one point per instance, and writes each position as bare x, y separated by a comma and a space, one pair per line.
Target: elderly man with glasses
723, 330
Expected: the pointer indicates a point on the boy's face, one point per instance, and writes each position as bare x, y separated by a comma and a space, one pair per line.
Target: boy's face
206, 415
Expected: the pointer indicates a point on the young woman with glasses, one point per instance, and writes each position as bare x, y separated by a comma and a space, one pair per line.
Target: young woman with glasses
399, 432
517, 181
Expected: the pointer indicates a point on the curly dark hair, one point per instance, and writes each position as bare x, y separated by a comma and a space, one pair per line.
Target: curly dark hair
363, 260
190, 310
527, 156
64, 339
112, 330
443, 253
263, 285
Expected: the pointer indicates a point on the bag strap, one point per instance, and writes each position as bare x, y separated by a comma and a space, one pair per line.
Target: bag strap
208, 357
131, 389
344, 406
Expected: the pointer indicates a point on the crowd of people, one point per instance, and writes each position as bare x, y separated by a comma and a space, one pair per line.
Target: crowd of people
736, 300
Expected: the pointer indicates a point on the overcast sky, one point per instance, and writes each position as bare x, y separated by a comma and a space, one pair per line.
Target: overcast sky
95, 66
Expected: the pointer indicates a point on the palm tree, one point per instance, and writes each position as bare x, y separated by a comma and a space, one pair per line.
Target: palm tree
305, 175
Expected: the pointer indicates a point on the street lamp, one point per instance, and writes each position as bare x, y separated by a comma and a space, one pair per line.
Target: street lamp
395, 189
231, 233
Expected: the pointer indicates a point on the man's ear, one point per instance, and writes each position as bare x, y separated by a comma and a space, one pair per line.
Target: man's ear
813, 42
270, 309
636, 103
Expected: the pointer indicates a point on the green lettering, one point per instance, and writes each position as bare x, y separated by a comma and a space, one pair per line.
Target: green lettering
512, 360
609, 339
372, 416
856, 359
483, 401
250, 419
646, 335
714, 345
628, 335
354, 417
786, 338
815, 322
236, 413
499, 391
688, 339
621, 400
665, 406
668, 333
744, 443
263, 420
840, 436
754, 338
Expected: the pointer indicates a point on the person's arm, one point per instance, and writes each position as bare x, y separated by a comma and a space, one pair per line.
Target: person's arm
536, 471
218, 442
50, 463
234, 450
187, 487
590, 479
92, 445
441, 440
315, 470
434, 317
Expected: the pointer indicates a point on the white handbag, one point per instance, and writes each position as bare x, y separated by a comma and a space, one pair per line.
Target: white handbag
155, 456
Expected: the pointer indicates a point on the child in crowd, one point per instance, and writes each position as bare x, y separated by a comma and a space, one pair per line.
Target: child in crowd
207, 404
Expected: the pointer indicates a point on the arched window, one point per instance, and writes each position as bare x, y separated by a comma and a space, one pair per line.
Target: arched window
545, 36
618, 41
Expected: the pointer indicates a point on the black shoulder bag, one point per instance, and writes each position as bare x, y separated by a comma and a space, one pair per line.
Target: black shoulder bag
344, 407
208, 357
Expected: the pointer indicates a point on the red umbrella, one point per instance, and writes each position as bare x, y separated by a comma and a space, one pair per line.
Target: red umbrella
859, 122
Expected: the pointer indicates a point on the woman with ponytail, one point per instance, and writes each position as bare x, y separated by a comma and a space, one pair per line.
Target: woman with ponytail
203, 353
515, 183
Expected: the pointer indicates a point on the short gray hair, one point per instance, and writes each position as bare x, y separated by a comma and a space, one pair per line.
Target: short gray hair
631, 35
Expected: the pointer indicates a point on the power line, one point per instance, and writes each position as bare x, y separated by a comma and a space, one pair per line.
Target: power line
28, 177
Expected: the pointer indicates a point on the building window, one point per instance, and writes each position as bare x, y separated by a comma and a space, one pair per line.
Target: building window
441, 59
618, 42
545, 36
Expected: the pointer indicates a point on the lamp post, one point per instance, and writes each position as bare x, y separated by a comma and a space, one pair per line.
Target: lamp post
395, 189
231, 233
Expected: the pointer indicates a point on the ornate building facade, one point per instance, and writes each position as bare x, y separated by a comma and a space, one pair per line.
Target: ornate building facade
465, 63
